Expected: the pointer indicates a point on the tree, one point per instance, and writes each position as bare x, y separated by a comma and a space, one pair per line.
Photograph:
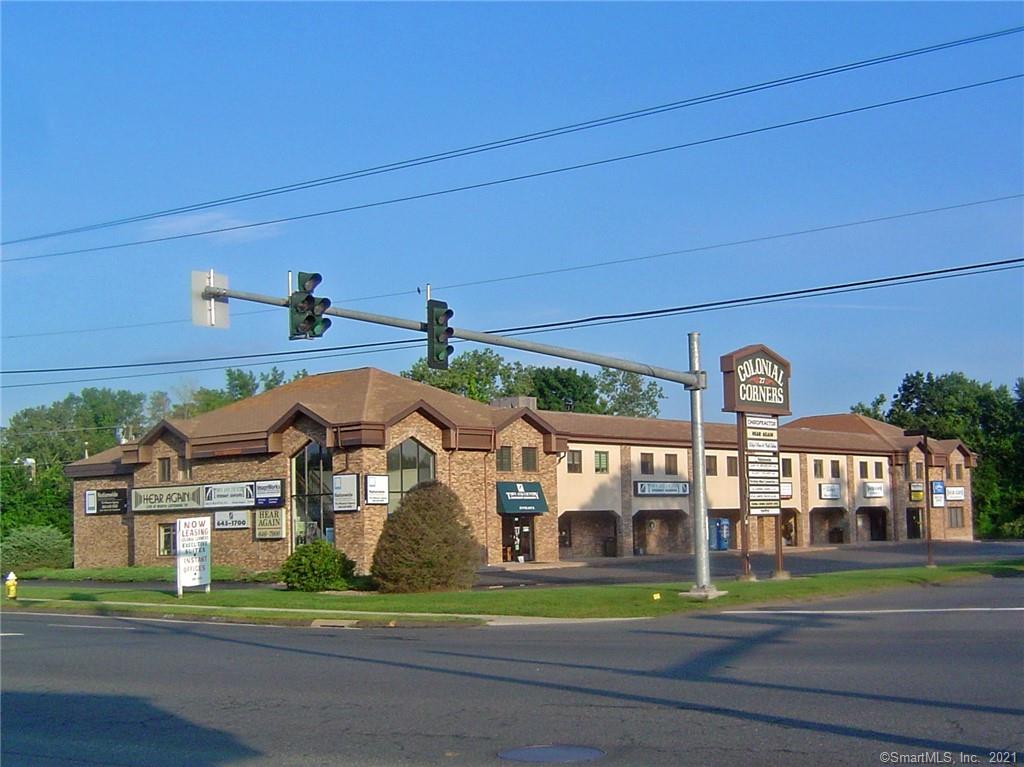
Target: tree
987, 419
480, 374
623, 393
565, 389
272, 378
484, 375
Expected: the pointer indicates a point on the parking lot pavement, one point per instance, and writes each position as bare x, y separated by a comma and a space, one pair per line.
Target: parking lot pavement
726, 565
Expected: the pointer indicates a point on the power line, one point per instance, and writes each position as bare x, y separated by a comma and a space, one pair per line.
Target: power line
525, 138
522, 177
607, 319
579, 267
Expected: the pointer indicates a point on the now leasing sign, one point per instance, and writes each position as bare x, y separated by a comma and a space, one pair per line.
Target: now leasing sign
193, 552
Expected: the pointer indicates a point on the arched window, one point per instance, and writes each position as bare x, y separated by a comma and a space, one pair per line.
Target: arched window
408, 464
311, 494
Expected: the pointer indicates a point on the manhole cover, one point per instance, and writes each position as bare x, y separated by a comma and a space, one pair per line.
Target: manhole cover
551, 754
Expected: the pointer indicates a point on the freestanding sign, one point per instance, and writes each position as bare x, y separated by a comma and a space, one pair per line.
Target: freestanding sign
756, 385
193, 559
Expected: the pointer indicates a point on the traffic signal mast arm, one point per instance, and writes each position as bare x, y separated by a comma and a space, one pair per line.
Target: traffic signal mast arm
694, 381
691, 380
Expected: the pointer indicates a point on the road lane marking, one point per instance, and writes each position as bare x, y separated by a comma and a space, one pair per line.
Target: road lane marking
11, 635
877, 612
86, 626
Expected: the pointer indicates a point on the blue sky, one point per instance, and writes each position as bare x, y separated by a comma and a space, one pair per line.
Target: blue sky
115, 110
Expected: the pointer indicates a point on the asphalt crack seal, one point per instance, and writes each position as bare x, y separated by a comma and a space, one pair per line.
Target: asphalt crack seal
554, 754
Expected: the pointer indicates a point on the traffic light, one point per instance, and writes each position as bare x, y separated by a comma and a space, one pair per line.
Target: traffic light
305, 311
438, 333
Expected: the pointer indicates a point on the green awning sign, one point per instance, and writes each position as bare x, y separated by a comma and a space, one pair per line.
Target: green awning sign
521, 498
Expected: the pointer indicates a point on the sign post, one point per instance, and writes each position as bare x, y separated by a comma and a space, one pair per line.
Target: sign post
193, 552
757, 390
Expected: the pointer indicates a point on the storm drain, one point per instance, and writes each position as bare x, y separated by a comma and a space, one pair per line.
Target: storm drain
551, 754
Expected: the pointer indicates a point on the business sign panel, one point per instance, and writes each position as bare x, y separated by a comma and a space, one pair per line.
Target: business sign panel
938, 493
786, 490
377, 489
346, 492
829, 491
229, 495
759, 441
232, 520
756, 381
222, 495
269, 523
193, 554
956, 494
113, 501
269, 493
167, 498
874, 490
917, 491
661, 488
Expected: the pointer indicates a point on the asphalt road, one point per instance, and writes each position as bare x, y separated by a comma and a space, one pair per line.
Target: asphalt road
940, 673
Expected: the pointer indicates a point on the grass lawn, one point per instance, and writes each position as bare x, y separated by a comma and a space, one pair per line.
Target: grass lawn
143, 574
618, 601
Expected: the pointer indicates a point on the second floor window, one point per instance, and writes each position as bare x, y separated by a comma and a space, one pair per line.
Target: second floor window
529, 459
787, 467
671, 464
600, 461
711, 465
504, 458
574, 462
164, 465
819, 468
835, 469
732, 466
646, 463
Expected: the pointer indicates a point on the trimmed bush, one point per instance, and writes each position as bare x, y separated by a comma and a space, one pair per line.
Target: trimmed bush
35, 546
426, 544
317, 566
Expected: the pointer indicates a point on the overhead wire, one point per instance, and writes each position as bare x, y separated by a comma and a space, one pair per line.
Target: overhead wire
606, 319
521, 177
524, 138
574, 268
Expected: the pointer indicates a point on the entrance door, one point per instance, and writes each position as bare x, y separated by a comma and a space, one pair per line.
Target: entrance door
516, 539
913, 523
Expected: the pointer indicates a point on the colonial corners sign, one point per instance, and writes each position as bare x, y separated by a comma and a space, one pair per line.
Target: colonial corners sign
756, 380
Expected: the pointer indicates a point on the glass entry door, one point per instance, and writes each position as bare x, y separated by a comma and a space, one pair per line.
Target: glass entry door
517, 538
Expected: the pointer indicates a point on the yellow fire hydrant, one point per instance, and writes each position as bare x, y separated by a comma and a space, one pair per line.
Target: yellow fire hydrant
11, 586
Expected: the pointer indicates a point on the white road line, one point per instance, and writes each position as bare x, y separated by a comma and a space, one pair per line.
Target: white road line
877, 612
86, 626
12, 635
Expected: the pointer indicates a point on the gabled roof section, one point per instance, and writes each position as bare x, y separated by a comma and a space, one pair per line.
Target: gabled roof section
107, 463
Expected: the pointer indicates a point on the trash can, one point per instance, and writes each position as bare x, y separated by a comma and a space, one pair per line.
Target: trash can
610, 549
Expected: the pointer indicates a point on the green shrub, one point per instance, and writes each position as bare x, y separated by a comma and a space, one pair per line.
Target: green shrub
426, 544
35, 546
1013, 529
317, 566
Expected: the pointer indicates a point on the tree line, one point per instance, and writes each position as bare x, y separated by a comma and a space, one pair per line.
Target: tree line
38, 442
988, 419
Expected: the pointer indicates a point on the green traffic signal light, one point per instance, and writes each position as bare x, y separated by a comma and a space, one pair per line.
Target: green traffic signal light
305, 311
438, 334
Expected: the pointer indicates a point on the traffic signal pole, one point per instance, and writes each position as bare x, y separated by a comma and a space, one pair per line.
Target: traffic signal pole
695, 381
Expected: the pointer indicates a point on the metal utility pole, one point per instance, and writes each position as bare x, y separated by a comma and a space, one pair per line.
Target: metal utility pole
694, 380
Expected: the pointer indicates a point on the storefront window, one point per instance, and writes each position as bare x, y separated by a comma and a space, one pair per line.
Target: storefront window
311, 499
408, 464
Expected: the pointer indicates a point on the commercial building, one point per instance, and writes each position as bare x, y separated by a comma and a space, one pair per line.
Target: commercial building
331, 455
